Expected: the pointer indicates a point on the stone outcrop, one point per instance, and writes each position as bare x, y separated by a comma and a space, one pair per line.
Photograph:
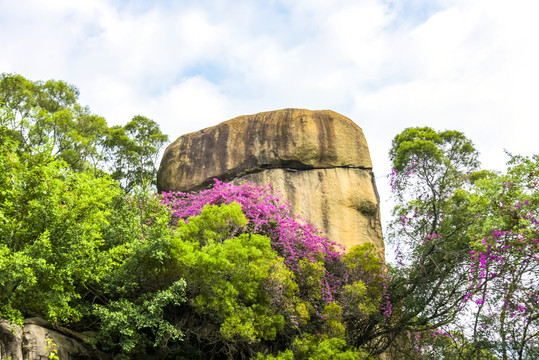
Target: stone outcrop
30, 342
318, 160
10, 341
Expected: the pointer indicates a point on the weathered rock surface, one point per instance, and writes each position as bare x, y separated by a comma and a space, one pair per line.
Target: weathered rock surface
29, 342
318, 160
10, 341
342, 202
290, 138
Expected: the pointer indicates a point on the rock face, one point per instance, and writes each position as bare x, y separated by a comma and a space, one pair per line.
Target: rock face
318, 160
29, 342
10, 341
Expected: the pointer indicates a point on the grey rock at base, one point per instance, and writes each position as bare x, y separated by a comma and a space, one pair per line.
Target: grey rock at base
319, 161
29, 342
10, 341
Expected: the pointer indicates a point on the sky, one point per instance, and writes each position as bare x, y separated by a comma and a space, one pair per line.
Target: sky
466, 65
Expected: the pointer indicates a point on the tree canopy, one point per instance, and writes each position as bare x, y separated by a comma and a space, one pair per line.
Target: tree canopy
47, 114
466, 247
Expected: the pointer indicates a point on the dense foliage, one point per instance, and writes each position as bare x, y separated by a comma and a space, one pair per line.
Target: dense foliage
63, 234
50, 223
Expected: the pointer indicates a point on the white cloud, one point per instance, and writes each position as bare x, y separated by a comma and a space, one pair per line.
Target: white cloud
191, 105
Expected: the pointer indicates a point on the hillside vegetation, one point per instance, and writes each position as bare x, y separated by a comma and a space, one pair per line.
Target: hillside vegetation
230, 272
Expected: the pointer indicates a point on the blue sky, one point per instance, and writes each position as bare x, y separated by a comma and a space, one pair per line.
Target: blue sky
468, 65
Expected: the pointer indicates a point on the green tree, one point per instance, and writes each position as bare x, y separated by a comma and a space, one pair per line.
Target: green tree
465, 243
430, 226
429, 167
505, 261
46, 113
74, 250
50, 239
232, 282
133, 150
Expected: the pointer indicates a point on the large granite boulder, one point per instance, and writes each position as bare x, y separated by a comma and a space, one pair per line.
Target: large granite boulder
318, 160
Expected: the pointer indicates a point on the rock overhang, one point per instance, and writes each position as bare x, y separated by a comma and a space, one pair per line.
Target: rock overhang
297, 139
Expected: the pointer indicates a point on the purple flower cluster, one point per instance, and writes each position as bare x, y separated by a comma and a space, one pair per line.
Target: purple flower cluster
397, 177
386, 307
291, 236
